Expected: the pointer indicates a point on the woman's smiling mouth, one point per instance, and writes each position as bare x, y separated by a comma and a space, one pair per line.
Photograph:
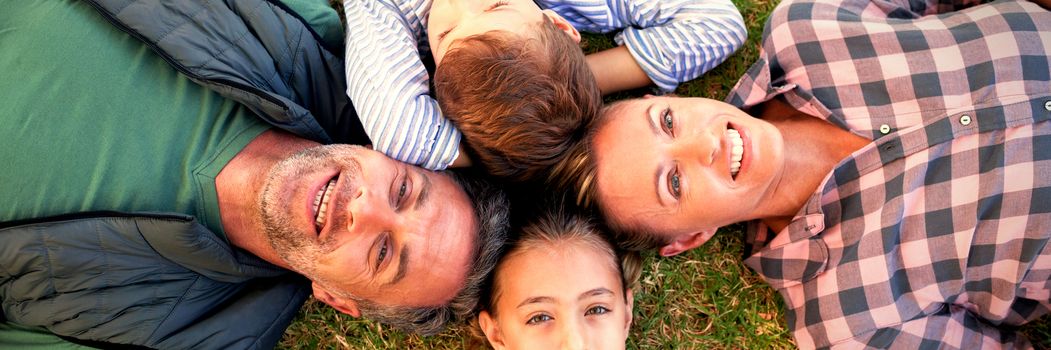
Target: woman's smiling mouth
736, 151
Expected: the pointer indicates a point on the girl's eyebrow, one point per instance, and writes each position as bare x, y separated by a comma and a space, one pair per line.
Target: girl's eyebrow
595, 292
550, 300
536, 300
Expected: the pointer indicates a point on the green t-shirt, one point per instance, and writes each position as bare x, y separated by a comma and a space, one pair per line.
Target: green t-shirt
94, 120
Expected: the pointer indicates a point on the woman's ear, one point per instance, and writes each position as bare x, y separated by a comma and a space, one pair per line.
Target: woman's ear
491, 330
563, 24
344, 305
687, 241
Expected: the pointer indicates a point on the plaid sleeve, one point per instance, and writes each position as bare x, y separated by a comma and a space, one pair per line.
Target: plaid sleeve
951, 327
865, 66
920, 8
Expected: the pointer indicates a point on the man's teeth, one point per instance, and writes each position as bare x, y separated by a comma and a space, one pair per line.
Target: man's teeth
321, 204
736, 152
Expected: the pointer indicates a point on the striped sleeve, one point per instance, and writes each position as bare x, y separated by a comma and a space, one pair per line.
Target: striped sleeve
672, 40
390, 87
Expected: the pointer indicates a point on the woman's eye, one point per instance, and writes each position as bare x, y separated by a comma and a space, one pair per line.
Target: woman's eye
538, 319
401, 191
666, 118
674, 185
598, 310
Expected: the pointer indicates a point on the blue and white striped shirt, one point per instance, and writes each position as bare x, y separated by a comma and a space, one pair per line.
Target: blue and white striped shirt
672, 40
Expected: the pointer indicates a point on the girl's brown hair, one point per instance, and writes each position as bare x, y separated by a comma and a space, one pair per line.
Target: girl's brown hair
559, 227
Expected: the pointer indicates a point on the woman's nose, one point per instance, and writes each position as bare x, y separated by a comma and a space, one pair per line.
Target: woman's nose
701, 147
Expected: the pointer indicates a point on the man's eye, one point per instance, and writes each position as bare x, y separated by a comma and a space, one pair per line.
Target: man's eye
667, 120
538, 319
402, 194
674, 185
598, 310
382, 254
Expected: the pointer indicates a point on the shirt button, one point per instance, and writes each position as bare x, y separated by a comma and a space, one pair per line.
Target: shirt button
965, 120
884, 129
1047, 105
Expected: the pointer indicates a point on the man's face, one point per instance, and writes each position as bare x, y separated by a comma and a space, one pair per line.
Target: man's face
359, 223
666, 164
451, 20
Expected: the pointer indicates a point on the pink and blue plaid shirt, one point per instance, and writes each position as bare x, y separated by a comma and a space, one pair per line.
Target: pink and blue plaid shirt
934, 235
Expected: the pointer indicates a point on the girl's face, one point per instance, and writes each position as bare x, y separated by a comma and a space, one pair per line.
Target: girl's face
561, 295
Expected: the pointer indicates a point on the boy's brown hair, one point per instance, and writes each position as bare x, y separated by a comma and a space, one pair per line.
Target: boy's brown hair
520, 101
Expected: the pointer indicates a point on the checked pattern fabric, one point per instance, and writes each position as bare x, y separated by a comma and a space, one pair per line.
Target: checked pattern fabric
934, 235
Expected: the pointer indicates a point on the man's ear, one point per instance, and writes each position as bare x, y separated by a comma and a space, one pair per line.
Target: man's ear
491, 330
563, 24
687, 241
344, 305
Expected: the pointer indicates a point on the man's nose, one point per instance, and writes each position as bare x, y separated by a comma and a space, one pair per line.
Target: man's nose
573, 335
366, 212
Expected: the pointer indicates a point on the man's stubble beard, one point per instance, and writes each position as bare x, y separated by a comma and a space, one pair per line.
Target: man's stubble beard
295, 246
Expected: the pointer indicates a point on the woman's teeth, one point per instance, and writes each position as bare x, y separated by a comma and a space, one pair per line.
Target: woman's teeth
321, 204
736, 152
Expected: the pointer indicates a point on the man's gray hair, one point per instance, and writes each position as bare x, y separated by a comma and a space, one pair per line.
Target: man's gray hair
491, 208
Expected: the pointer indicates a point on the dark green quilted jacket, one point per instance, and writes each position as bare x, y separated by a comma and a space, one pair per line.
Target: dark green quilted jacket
162, 280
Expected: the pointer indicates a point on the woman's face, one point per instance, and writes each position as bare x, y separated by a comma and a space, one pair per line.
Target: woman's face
679, 166
563, 295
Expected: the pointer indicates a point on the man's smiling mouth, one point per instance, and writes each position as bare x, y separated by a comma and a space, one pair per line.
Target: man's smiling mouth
321, 200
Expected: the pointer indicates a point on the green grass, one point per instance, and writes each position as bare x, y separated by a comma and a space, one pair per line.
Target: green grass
703, 299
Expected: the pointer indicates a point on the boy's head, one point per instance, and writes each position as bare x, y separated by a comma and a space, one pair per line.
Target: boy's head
451, 21
521, 94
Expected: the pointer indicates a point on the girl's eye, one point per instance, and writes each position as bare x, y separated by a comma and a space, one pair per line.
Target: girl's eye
674, 185
667, 120
538, 319
443, 34
598, 310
